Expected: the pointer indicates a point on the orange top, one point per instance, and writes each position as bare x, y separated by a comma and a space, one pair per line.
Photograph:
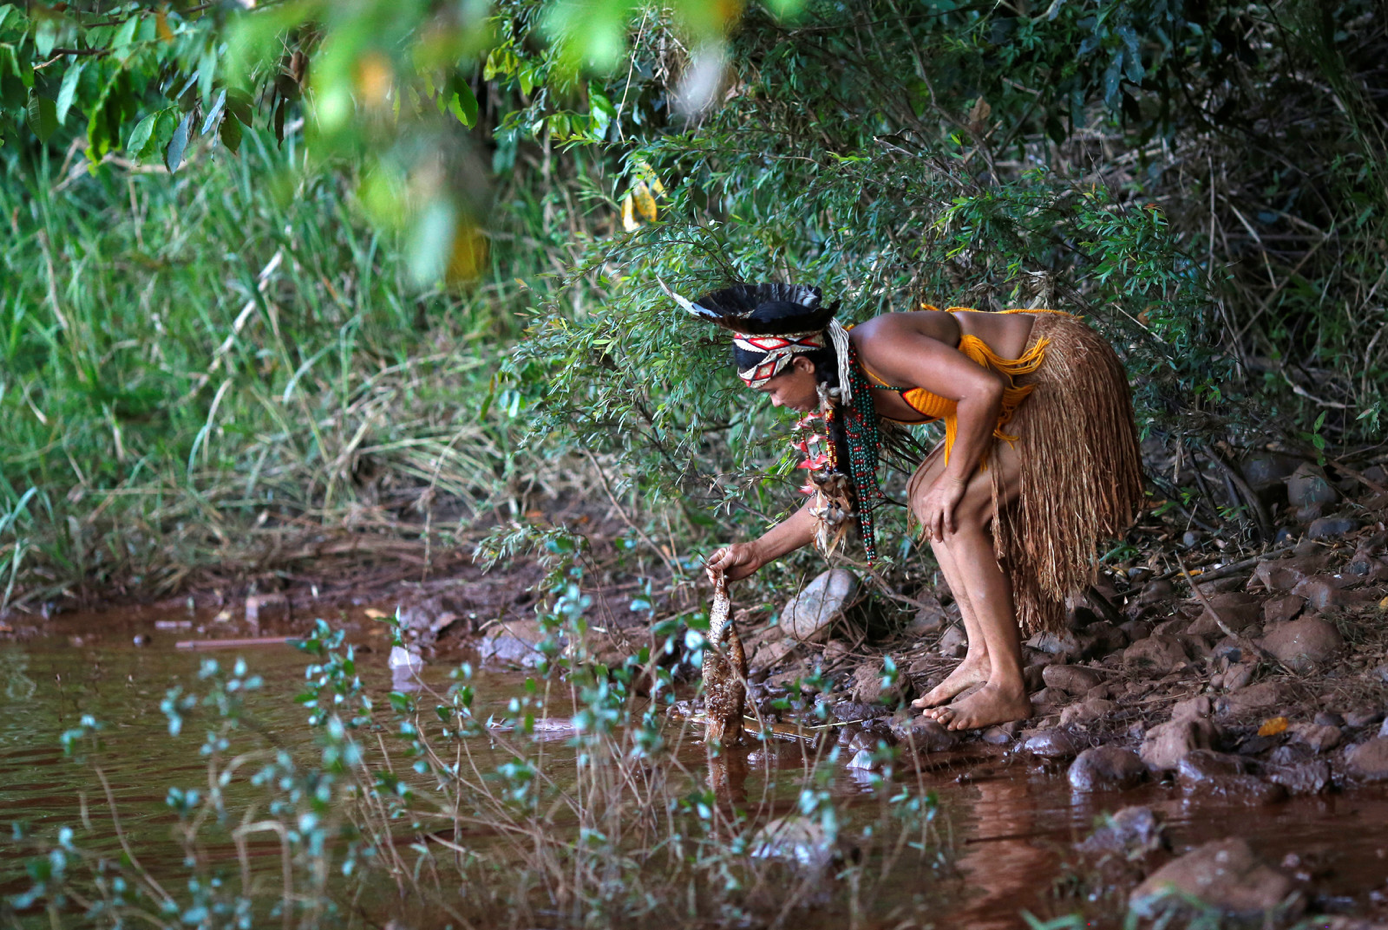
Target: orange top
932, 406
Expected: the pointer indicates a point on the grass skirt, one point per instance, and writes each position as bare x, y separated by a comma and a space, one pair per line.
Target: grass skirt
1081, 473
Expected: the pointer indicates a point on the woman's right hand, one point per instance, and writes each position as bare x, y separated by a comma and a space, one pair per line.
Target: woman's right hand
736, 561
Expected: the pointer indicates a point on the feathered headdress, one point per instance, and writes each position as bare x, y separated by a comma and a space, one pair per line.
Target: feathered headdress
777, 340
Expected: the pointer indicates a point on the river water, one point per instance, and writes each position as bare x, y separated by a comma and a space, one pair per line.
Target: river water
1007, 824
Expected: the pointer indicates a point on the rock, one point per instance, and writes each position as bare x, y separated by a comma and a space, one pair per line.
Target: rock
1259, 698
926, 736
1100, 639
1156, 592
1319, 737
1281, 609
1285, 574
1165, 745
1300, 778
1238, 675
1051, 744
954, 643
1131, 833
996, 736
1264, 470
1050, 697
852, 711
1238, 611
1192, 708
1326, 592
864, 761
1072, 679
1369, 760
1362, 717
1065, 642
1328, 718
1087, 711
1302, 644
1308, 485
1310, 513
1136, 630
1156, 655
261, 606
1216, 773
809, 614
514, 642
1223, 874
1106, 768
1327, 527
930, 616
867, 687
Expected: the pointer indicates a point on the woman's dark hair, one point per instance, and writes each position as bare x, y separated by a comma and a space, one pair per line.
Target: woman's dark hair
826, 366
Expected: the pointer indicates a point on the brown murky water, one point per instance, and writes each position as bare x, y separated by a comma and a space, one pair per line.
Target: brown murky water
1011, 823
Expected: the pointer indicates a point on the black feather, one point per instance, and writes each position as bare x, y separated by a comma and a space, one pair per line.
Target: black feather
732, 308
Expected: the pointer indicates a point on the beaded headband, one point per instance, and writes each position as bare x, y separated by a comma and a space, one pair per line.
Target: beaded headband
777, 353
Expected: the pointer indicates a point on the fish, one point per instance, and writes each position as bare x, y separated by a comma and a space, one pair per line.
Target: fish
725, 671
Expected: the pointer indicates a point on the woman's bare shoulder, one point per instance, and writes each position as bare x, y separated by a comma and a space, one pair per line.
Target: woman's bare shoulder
931, 323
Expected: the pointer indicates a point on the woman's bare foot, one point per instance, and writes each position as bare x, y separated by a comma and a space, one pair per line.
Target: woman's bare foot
987, 706
972, 671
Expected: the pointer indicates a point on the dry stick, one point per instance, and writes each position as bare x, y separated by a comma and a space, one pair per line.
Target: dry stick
602, 476
1243, 641
124, 841
1233, 568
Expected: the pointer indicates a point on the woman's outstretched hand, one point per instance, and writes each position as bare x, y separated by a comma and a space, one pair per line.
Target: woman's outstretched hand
736, 561
937, 510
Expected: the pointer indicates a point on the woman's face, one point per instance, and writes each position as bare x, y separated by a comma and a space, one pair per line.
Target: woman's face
794, 387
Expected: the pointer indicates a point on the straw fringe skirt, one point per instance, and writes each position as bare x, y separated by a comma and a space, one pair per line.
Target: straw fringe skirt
1081, 473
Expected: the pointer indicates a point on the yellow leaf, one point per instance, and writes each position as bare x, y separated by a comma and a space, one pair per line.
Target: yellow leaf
1273, 726
374, 78
373, 613
469, 256
645, 203
1383, 604
161, 25
628, 221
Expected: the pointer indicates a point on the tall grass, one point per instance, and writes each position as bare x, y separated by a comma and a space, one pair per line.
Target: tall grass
229, 368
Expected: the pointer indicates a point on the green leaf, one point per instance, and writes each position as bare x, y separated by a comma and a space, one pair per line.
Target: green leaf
43, 119
231, 134
173, 155
125, 34
67, 91
461, 102
213, 113
141, 139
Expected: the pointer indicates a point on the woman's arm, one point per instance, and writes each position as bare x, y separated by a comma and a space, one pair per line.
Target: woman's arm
902, 355
742, 559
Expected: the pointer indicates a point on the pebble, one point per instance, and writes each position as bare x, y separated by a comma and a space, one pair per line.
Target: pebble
1324, 592
1237, 610
1258, 698
1224, 874
927, 735
1106, 768
1051, 744
1362, 717
1155, 592
1318, 737
1087, 711
954, 643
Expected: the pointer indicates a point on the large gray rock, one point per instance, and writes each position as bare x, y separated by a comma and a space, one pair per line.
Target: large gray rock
1106, 768
1369, 760
1224, 874
808, 616
1308, 485
1302, 644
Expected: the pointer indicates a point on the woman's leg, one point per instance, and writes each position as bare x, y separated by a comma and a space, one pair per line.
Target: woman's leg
1003, 696
974, 669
